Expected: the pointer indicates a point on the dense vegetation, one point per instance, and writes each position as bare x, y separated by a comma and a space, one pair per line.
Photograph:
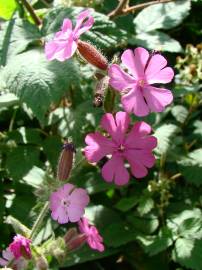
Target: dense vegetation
154, 222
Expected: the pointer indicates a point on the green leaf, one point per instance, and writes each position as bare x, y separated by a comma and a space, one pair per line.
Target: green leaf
7, 8
146, 204
162, 16
188, 253
164, 135
104, 33
15, 36
198, 127
146, 224
180, 113
52, 147
18, 226
8, 99
175, 221
37, 82
34, 177
23, 158
156, 40
191, 167
191, 228
126, 204
86, 254
155, 244
117, 234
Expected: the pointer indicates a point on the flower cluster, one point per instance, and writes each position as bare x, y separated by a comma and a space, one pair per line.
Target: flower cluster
17, 253
124, 145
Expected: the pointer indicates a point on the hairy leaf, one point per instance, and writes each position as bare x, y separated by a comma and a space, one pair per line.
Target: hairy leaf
162, 16
37, 82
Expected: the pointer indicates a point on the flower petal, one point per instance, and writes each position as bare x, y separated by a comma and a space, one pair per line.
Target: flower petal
67, 25
116, 127
60, 50
114, 169
157, 98
60, 215
98, 147
134, 102
156, 63
84, 23
137, 167
163, 76
79, 197
135, 62
119, 79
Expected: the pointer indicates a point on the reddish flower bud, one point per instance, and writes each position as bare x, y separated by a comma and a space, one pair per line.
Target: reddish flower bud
76, 242
70, 234
65, 161
92, 55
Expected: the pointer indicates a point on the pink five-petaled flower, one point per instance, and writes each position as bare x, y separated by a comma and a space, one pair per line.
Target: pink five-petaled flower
8, 258
64, 43
138, 96
135, 147
93, 238
20, 247
68, 203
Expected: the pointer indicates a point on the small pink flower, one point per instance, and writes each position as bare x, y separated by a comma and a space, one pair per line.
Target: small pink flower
20, 247
135, 147
68, 203
93, 239
64, 43
138, 96
8, 257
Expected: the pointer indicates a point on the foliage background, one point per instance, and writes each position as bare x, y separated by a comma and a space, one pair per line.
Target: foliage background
149, 224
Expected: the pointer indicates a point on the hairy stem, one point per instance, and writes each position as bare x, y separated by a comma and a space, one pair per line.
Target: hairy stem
123, 10
39, 220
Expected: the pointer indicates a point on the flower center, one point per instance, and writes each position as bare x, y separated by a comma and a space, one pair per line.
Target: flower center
65, 203
121, 148
141, 82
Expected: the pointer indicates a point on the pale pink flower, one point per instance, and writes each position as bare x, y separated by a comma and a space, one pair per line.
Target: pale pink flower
20, 247
8, 257
68, 203
135, 147
64, 43
138, 94
93, 238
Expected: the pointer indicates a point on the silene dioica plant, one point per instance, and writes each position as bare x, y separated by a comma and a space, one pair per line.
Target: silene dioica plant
129, 88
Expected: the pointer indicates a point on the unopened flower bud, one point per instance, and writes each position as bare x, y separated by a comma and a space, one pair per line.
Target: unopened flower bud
92, 55
41, 263
101, 86
65, 161
76, 242
70, 234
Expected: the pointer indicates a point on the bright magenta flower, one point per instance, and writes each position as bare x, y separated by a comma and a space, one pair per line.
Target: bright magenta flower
64, 43
68, 203
8, 257
138, 96
93, 238
134, 146
20, 247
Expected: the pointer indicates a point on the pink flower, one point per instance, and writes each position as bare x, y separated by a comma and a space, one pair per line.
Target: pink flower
138, 96
20, 247
135, 147
64, 43
8, 257
68, 203
93, 237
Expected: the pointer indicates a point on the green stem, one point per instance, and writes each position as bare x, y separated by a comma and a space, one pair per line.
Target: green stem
39, 220
31, 11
